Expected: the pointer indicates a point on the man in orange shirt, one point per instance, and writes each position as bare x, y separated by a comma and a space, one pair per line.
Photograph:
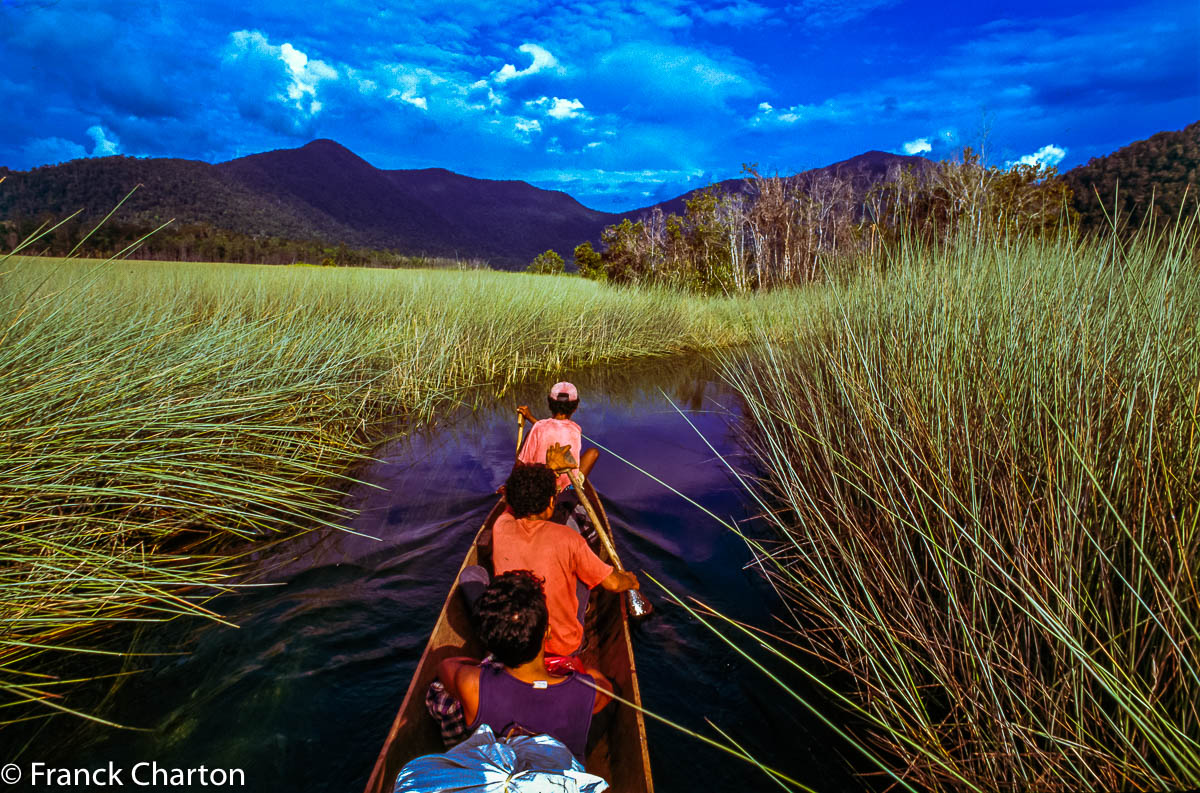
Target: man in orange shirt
525, 538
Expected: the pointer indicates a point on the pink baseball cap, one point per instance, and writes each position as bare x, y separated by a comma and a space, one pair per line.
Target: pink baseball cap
558, 390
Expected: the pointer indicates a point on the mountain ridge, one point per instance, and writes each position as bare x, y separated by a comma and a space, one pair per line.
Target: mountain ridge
324, 191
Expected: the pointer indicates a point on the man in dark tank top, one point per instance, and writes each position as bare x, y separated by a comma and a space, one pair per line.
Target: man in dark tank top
518, 695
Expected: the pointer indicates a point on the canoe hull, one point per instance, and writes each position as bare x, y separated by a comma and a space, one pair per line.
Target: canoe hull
617, 749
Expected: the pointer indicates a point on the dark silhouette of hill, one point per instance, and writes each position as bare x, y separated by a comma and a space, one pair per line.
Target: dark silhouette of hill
187, 190
1162, 172
321, 190
862, 171
430, 211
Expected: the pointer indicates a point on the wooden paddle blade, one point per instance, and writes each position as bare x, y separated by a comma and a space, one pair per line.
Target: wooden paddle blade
559, 458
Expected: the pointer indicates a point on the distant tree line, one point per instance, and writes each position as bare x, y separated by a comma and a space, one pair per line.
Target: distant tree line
195, 242
794, 230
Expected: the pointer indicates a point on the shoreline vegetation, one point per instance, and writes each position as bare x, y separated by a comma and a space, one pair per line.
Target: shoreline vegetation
154, 411
985, 480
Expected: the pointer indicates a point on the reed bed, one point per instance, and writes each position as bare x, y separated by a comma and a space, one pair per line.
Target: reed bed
152, 413
983, 465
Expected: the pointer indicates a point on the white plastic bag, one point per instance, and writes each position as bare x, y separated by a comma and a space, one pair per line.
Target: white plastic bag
481, 764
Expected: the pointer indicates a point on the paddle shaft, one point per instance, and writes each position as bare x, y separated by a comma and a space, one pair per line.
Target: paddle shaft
520, 431
638, 605
577, 480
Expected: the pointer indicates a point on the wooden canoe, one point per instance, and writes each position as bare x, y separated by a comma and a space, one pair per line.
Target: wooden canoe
618, 752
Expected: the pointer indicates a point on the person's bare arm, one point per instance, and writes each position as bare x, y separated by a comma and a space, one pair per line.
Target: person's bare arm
589, 459
460, 676
604, 689
524, 411
619, 581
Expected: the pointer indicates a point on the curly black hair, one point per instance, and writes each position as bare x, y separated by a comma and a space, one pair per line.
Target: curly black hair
529, 488
511, 617
559, 405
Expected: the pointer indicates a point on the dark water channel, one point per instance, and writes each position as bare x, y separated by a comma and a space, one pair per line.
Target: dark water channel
301, 693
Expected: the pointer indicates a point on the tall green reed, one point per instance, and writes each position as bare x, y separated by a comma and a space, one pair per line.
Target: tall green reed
151, 414
984, 466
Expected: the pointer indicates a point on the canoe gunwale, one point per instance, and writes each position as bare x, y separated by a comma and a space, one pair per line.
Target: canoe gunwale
612, 653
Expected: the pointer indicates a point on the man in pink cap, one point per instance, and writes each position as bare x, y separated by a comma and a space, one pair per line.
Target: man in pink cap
558, 429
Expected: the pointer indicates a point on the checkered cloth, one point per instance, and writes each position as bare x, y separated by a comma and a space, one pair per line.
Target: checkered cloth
448, 713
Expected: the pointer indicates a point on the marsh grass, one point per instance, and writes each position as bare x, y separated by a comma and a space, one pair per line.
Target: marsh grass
151, 413
984, 467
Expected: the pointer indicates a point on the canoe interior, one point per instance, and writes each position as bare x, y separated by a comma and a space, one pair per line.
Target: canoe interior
617, 747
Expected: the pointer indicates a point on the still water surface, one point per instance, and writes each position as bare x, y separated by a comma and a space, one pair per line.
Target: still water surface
302, 691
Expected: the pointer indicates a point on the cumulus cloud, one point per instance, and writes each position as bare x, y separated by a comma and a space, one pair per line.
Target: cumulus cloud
415, 85
542, 60
107, 143
301, 76
1046, 157
55, 150
558, 108
918, 146
941, 143
482, 96
527, 126
305, 74
829, 110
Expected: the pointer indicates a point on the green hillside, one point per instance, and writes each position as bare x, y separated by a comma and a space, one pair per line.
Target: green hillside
1160, 172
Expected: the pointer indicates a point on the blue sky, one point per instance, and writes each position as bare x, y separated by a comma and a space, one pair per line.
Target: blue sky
618, 103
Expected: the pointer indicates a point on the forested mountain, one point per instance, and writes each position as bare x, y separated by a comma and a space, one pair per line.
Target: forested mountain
321, 191
430, 211
1159, 171
862, 171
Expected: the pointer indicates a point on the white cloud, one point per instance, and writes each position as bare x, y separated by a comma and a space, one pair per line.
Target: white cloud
558, 108
918, 146
415, 85
106, 146
1046, 157
409, 96
528, 126
828, 110
50, 151
482, 95
304, 74
542, 60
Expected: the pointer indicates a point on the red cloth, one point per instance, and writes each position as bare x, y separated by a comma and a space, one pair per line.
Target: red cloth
547, 433
560, 556
561, 664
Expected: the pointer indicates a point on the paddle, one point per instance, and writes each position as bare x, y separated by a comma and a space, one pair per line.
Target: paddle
560, 459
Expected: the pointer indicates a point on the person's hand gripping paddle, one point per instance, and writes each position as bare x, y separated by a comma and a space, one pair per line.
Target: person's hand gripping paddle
560, 460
